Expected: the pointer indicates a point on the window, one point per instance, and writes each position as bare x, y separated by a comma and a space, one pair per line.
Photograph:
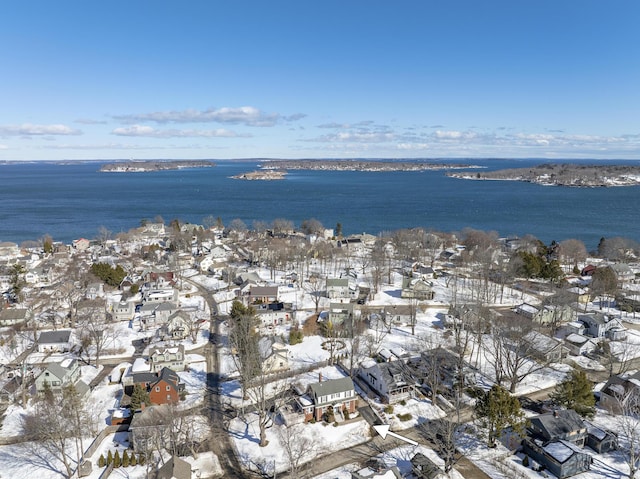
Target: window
157, 389
168, 388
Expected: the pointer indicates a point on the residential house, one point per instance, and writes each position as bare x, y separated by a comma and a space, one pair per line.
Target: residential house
335, 395
616, 389
600, 325
149, 428
579, 345
420, 289
174, 468
623, 272
172, 357
143, 379
543, 347
600, 439
59, 375
13, 316
160, 294
424, 468
276, 356
81, 244
10, 390
263, 294
123, 311
527, 310
562, 458
392, 381
163, 311
166, 388
580, 295
94, 291
178, 326
9, 250
554, 315
563, 424
399, 313
54, 341
338, 288
340, 313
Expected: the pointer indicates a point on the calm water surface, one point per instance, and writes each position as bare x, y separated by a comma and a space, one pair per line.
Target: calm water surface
73, 200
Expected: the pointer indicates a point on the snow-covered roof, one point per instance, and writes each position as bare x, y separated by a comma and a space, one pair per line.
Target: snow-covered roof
561, 451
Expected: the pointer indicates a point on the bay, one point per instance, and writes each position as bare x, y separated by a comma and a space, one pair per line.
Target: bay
73, 200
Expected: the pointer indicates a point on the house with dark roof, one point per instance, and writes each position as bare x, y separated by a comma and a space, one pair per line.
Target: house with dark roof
562, 458
166, 388
334, 395
563, 424
54, 341
392, 381
600, 439
616, 389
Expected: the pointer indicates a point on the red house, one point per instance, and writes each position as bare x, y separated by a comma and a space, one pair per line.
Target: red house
166, 389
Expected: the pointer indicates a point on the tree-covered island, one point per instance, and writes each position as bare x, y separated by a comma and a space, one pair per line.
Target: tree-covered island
561, 174
153, 165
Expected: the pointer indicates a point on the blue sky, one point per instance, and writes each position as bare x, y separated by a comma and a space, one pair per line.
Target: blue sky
301, 79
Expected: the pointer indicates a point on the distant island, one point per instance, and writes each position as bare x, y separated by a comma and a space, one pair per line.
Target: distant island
267, 175
148, 165
359, 165
560, 174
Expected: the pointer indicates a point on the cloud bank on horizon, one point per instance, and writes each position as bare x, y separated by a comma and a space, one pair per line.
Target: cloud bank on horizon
329, 80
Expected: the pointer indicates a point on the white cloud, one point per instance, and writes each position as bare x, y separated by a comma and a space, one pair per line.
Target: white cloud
3, 147
150, 132
413, 146
454, 135
28, 129
245, 115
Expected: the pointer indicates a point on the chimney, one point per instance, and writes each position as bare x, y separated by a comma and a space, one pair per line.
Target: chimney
319, 377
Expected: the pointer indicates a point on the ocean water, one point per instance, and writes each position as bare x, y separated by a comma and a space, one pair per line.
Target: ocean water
73, 200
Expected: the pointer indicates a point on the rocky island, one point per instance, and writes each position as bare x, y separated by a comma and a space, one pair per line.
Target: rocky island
359, 165
561, 174
266, 175
148, 165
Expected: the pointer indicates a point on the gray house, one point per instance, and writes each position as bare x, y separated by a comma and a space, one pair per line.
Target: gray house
561, 458
57, 376
564, 424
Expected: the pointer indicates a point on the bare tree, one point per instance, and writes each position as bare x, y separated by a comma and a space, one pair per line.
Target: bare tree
281, 226
572, 251
95, 332
53, 424
315, 287
510, 350
312, 226
629, 430
298, 447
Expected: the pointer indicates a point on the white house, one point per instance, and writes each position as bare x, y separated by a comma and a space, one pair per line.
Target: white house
54, 341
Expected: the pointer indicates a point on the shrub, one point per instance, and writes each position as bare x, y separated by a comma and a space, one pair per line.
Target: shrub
109, 458
125, 459
116, 460
102, 461
405, 417
388, 409
132, 461
335, 424
403, 402
525, 461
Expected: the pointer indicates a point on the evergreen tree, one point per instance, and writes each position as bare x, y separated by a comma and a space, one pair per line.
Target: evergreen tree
498, 410
109, 457
116, 460
141, 459
139, 396
125, 459
132, 460
102, 461
576, 392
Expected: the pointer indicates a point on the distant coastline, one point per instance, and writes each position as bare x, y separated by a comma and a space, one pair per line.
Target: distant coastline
360, 165
146, 165
580, 176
